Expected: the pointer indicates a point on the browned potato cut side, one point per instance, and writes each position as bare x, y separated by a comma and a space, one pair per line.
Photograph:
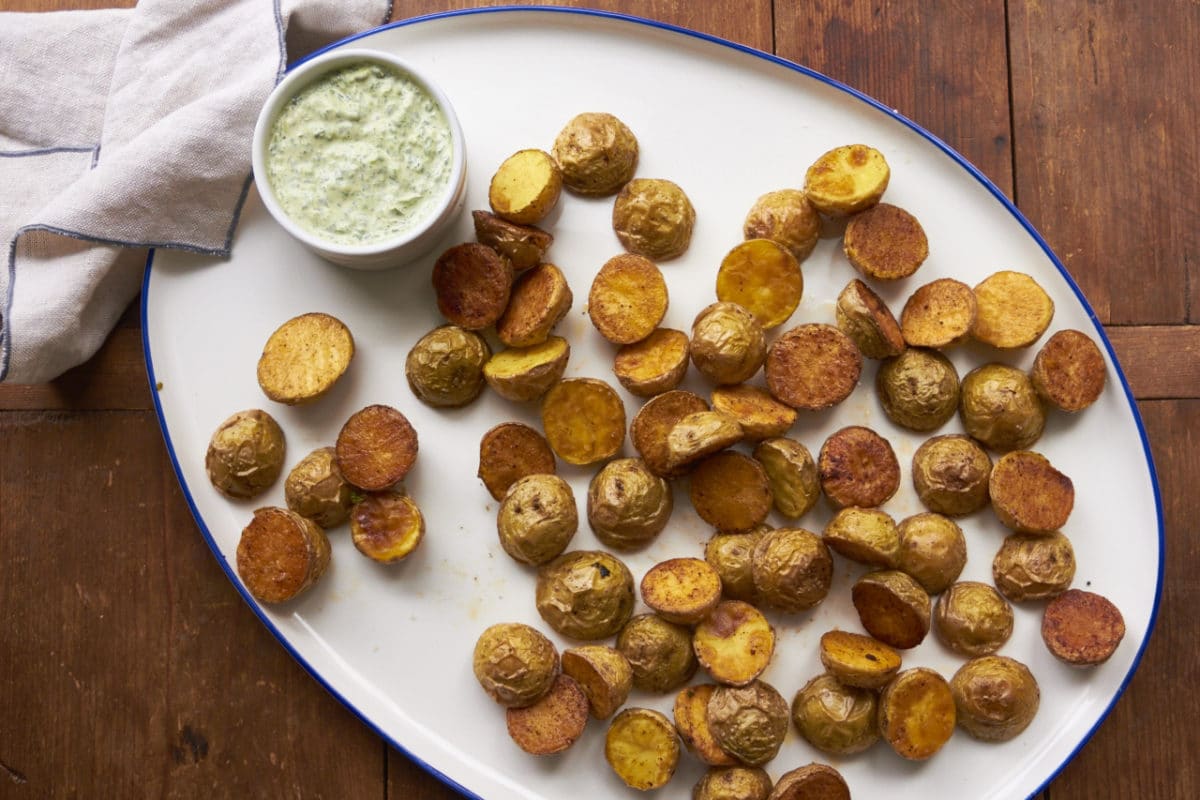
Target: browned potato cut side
866, 535
304, 358
795, 487
526, 187
892, 607
760, 415
700, 434
245, 454
509, 452
628, 298
281, 554
653, 218
523, 245
858, 660
1034, 567
763, 277
857, 467
1082, 628
847, 179
938, 314
539, 299
813, 366
376, 447
386, 526
642, 748
584, 420
1013, 310
652, 426
916, 713
682, 590
603, 674
522, 374
785, 216
885, 242
730, 491
1069, 371
514, 663
472, 283
553, 723
865, 318
597, 154
691, 720
734, 643
811, 782
654, 365
1028, 494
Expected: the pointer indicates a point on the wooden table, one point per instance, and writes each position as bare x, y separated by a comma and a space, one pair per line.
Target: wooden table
130, 668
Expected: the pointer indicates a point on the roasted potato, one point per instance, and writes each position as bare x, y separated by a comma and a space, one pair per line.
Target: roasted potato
885, 242
585, 594
836, 718
933, 550
654, 365
628, 298
760, 415
682, 590
865, 318
642, 747
700, 434
733, 783
509, 452
811, 782
729, 554
787, 217
857, 660
281, 554
916, 713
445, 366
1081, 628
245, 454
515, 663
938, 314
472, 284
763, 277
386, 526
730, 491
995, 697
526, 373
892, 607
749, 722
792, 569
857, 467
652, 425
523, 245
847, 180
376, 447
1068, 372
1034, 567
950, 474
795, 487
627, 504
866, 535
316, 488
728, 343
972, 619
1000, 408
691, 720
918, 389
1028, 494
659, 653
537, 519
552, 723
584, 420
813, 366
1013, 310
596, 153
304, 358
526, 187
540, 297
653, 218
734, 643
604, 675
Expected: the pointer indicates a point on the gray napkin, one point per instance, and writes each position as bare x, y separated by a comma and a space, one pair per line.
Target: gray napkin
127, 129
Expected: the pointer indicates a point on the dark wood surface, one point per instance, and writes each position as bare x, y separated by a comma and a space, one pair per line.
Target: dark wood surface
130, 668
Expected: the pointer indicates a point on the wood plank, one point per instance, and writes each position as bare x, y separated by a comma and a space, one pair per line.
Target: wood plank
114, 378
1159, 361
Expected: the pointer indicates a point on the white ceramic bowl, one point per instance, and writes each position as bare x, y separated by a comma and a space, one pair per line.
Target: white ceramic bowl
384, 253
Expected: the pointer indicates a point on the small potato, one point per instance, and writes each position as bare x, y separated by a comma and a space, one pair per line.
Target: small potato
730, 491
597, 154
316, 488
652, 426
857, 467
760, 415
938, 314
785, 216
472, 283
1081, 628
526, 187
654, 365
445, 367
682, 590
995, 698
950, 474
691, 720
918, 389
628, 298
813, 366
584, 420
537, 519
642, 747
733, 783
892, 607
627, 504
734, 643
729, 554
1068, 372
653, 218
245, 454
847, 180
539, 299
857, 660
1028, 494
521, 374
700, 434
386, 526
659, 653
376, 447
792, 569
885, 242
1033, 567
553, 723
1000, 408
728, 343
281, 555
585, 594
763, 277
811, 782
972, 619
834, 717
523, 245
749, 722
865, 318
916, 713
795, 487
933, 550
1013, 310
509, 452
515, 663
304, 358
604, 675
866, 535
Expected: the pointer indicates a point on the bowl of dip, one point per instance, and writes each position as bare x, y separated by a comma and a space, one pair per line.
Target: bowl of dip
360, 156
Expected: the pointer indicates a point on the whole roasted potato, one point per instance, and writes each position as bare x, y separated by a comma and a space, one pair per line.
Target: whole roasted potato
627, 504
733, 783
537, 518
728, 343
1032, 567
932, 549
749, 722
950, 474
918, 389
1000, 408
585, 594
245, 454
316, 488
445, 366
995, 697
515, 664
653, 218
792, 569
972, 618
659, 652
835, 718
597, 154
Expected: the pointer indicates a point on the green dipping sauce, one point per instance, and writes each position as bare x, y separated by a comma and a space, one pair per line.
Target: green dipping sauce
361, 155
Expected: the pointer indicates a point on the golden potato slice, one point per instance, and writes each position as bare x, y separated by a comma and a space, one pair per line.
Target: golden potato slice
653, 218
510, 451
785, 216
916, 713
553, 723
763, 277
847, 180
938, 314
526, 373
733, 783
1013, 310
1082, 628
539, 299
376, 447
525, 187
654, 365
730, 491
682, 590
603, 674
760, 415
857, 467
652, 426
1028, 494
811, 782
866, 535
281, 554
642, 747
304, 358
523, 245
865, 318
628, 298
386, 526
597, 154
584, 420
691, 720
700, 434
813, 366
734, 643
795, 486
858, 660
472, 283
885, 242
1068, 372
893, 607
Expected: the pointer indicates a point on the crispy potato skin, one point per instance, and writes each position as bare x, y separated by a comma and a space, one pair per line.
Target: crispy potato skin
1014, 311
933, 550
866, 535
885, 242
836, 718
659, 652
749, 722
642, 748
523, 245
918, 389
1028, 494
795, 487
792, 569
522, 374
691, 720
763, 277
1069, 371
627, 504
1033, 567
950, 474
509, 452
525, 187
728, 343
785, 216
700, 434
730, 491
604, 675
857, 467
386, 526
584, 420
515, 663
281, 555
597, 154
316, 488
445, 367
733, 783
585, 594
539, 299
654, 365
472, 284
972, 619
628, 298
245, 454
813, 366
938, 314
553, 723
811, 782
537, 518
760, 415
847, 179
652, 426
917, 713
729, 554
1000, 408
892, 607
865, 318
376, 447
1081, 628
304, 358
654, 218
995, 697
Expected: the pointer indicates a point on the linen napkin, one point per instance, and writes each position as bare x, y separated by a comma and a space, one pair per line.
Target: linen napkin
122, 130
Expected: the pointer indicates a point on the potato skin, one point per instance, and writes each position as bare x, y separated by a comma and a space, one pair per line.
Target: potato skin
315, 488
972, 619
445, 367
654, 218
785, 216
585, 594
659, 652
537, 518
604, 675
792, 569
627, 504
1000, 408
795, 487
691, 720
1032, 567
245, 454
733, 783
515, 663
950, 474
728, 343
933, 550
865, 318
523, 245
750, 722
597, 154
865, 535
652, 425
995, 697
835, 718
729, 554
918, 389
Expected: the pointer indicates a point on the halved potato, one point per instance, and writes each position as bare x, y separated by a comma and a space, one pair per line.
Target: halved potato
509, 452
700, 434
1013, 310
1028, 494
865, 535
472, 284
523, 245
730, 491
386, 526
795, 487
584, 420
893, 607
760, 415
539, 299
938, 314
526, 187
628, 298
730, 555
526, 373
304, 358
847, 180
735, 643
1082, 628
813, 366
763, 277
596, 152
642, 747
554, 722
376, 447
916, 713
691, 720
1068, 372
654, 365
654, 218
281, 555
811, 782
885, 242
857, 467
785, 216
858, 660
682, 590
865, 318
603, 674
652, 426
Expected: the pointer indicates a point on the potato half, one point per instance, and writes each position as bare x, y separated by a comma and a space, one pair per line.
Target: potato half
304, 358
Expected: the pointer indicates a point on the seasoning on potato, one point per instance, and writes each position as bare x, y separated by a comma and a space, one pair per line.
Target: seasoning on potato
972, 619
792, 569
537, 519
733, 783
445, 366
729, 554
749, 722
653, 218
763, 277
817, 781
730, 491
918, 389
628, 298
847, 179
552, 723
304, 358
472, 284
540, 297
939, 314
1028, 494
813, 366
659, 652
834, 717
376, 447
652, 426
596, 153
316, 488
604, 675
1000, 408
892, 607
514, 663
245, 454
885, 242
691, 720
735, 643
386, 526
642, 748
760, 415
585, 594
950, 474
787, 217
523, 245
995, 697
682, 590
857, 660
865, 318
1034, 567
857, 467
1013, 310
627, 504
1069, 371
866, 535
525, 187
584, 420
281, 554
1081, 628
700, 434
795, 487
933, 550
509, 452
916, 713
728, 343
522, 374
654, 365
